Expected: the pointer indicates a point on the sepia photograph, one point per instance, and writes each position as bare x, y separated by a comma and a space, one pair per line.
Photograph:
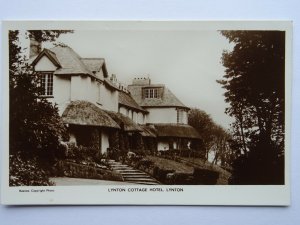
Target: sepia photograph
139, 107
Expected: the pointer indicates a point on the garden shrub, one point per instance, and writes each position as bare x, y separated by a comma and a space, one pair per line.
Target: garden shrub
88, 171
144, 164
174, 153
84, 154
181, 179
161, 174
26, 172
205, 176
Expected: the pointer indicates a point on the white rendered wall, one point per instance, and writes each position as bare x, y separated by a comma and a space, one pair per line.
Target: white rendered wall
185, 117
94, 93
61, 84
174, 145
72, 138
109, 98
130, 113
44, 64
80, 86
140, 118
135, 116
162, 146
162, 115
61, 91
123, 110
104, 142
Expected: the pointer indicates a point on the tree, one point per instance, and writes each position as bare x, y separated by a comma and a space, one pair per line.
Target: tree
203, 123
223, 154
214, 138
254, 84
35, 127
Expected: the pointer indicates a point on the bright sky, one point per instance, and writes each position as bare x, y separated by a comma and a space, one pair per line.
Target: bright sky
187, 62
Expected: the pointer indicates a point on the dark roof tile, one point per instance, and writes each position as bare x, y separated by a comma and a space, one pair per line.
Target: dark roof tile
167, 98
127, 100
70, 61
124, 121
176, 130
93, 64
148, 131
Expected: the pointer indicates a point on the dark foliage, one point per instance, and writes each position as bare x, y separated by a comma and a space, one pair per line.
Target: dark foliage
46, 35
84, 154
35, 127
161, 174
204, 176
213, 137
144, 164
180, 179
26, 172
254, 82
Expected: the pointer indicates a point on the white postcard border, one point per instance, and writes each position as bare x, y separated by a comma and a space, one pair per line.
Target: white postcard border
191, 195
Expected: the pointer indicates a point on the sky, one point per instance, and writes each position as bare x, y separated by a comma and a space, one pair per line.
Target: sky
188, 62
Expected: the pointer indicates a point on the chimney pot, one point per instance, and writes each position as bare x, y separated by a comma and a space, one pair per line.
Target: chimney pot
141, 81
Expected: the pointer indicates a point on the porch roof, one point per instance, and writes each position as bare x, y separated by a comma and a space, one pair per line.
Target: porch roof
148, 131
124, 121
86, 113
176, 130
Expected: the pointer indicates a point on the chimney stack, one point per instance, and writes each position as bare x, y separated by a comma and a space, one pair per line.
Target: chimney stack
35, 47
113, 78
141, 81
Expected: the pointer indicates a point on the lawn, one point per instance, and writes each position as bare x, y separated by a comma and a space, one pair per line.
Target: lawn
170, 164
224, 174
186, 165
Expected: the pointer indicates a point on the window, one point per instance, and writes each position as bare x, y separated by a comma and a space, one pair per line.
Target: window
180, 115
47, 84
151, 93
155, 94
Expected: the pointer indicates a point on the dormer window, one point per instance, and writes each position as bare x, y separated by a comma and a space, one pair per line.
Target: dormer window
151, 93
46, 83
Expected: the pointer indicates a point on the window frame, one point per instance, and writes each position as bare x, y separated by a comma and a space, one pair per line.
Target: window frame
46, 83
151, 93
180, 113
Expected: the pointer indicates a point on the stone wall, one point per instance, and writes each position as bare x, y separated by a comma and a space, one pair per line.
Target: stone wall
71, 169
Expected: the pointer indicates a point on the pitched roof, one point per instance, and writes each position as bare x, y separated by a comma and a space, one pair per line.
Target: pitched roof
69, 62
148, 131
176, 130
127, 100
124, 122
46, 52
86, 113
167, 98
95, 65
110, 84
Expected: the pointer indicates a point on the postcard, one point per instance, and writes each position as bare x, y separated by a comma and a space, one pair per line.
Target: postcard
146, 112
